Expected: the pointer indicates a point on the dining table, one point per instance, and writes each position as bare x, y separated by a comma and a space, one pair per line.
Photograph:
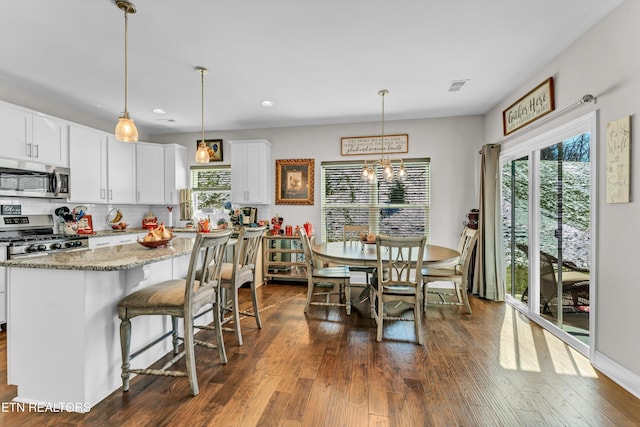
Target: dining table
364, 254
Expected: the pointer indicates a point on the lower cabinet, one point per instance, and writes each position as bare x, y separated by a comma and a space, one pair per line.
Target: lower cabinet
283, 258
116, 239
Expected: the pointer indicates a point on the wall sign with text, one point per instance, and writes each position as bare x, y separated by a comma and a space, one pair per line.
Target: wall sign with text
357, 145
535, 104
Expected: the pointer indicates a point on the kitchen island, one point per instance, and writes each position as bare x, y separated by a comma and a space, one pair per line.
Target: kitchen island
63, 342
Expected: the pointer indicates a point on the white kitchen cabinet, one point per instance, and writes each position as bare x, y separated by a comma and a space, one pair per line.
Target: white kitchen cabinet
28, 135
102, 169
251, 175
150, 173
88, 164
176, 172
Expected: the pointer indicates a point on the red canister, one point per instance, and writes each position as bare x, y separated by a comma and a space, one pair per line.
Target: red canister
289, 230
308, 228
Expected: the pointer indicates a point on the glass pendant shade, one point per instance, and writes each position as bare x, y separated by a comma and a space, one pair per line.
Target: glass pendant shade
126, 130
202, 155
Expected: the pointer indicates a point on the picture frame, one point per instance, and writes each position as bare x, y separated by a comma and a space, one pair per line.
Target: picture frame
214, 146
294, 182
537, 103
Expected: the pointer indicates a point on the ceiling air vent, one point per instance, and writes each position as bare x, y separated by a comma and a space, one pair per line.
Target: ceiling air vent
456, 85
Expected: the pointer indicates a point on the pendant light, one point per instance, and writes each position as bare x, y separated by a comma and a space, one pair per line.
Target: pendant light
202, 155
369, 173
126, 129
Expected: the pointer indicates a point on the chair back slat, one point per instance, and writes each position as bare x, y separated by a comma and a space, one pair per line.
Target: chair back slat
401, 257
352, 233
206, 260
246, 250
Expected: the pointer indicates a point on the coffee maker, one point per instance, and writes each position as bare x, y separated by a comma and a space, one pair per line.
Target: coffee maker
246, 216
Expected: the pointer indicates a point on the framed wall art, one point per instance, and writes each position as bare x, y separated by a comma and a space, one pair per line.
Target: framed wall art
214, 146
618, 160
538, 102
294, 182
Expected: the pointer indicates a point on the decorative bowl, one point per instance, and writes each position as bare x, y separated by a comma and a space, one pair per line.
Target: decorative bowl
156, 243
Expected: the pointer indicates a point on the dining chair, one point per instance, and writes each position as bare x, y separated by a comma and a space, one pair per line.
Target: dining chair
402, 258
235, 274
179, 298
452, 281
352, 235
325, 285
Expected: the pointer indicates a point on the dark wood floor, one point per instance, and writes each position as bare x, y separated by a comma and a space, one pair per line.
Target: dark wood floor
487, 369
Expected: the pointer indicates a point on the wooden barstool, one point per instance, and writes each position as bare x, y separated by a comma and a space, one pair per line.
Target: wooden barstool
179, 298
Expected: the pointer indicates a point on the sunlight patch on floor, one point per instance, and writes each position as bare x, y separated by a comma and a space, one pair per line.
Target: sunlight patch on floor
515, 338
566, 360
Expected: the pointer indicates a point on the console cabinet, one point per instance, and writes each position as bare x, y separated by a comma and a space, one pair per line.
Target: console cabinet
283, 258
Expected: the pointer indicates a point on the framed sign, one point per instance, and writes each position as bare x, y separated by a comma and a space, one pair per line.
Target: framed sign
355, 145
535, 104
294, 182
214, 146
618, 160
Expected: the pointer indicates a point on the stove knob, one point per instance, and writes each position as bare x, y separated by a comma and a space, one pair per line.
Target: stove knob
56, 246
42, 248
76, 243
31, 248
68, 244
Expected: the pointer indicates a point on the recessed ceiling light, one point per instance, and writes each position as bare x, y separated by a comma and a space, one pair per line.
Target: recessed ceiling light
266, 103
159, 111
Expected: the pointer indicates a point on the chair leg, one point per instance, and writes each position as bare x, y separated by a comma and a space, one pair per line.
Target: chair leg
254, 299
125, 345
174, 335
380, 319
217, 324
189, 354
309, 295
462, 296
347, 294
236, 314
417, 318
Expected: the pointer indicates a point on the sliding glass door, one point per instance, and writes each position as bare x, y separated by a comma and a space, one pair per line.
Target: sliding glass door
547, 210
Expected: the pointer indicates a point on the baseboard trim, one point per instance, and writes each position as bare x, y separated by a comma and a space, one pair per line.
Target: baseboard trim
619, 374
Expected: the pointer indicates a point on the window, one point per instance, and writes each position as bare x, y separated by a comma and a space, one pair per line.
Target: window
396, 208
211, 186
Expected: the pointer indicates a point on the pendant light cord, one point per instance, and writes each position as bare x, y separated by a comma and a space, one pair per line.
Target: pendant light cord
126, 62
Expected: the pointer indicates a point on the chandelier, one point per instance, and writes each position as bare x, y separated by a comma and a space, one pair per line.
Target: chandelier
369, 170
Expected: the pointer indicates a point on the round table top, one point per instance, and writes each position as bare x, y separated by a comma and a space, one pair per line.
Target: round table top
357, 254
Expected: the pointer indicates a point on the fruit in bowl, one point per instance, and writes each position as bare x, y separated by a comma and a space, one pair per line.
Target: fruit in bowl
157, 234
121, 226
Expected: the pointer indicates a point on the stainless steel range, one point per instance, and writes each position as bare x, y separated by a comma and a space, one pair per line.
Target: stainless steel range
32, 235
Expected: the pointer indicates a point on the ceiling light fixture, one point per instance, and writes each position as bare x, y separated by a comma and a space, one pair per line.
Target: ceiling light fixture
266, 103
202, 155
369, 172
126, 129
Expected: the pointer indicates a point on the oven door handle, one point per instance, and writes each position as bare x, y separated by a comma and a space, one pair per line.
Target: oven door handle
55, 182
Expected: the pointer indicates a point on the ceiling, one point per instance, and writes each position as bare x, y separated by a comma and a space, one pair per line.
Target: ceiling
319, 61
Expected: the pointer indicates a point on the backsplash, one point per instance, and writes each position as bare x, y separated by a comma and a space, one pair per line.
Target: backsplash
132, 214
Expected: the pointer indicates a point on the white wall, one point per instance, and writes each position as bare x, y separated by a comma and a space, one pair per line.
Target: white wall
451, 143
604, 63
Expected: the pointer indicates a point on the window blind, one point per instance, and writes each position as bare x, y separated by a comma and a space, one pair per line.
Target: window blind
211, 186
395, 208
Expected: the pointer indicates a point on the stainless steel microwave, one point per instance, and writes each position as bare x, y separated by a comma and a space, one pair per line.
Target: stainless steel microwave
29, 179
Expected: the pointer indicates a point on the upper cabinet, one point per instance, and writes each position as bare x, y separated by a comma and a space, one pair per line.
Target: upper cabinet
176, 172
251, 175
28, 135
102, 169
150, 173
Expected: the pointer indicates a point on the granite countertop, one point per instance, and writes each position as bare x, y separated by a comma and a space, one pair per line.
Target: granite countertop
118, 257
